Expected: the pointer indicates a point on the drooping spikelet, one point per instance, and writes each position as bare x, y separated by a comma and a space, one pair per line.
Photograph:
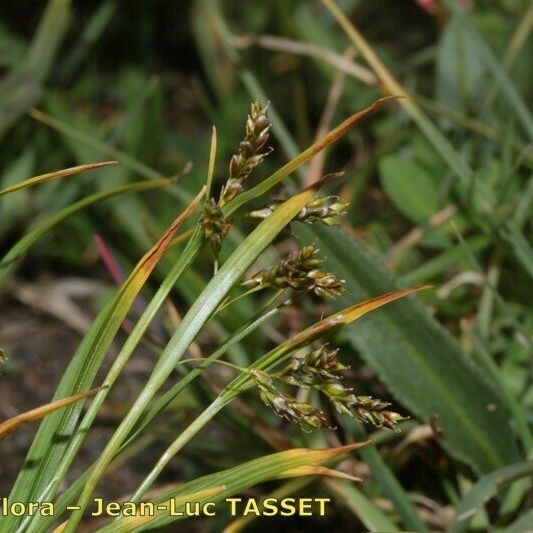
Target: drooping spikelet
286, 406
321, 370
299, 272
323, 209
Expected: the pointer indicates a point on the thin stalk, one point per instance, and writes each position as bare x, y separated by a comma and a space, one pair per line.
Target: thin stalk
184, 437
227, 303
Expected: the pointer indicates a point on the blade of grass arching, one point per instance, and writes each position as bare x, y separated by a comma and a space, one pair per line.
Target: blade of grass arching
13, 423
47, 455
267, 361
215, 291
294, 486
500, 76
239, 478
15, 253
391, 85
485, 489
420, 362
108, 150
72, 171
372, 517
21, 88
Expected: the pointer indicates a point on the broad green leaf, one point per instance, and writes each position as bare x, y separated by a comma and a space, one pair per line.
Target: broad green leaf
419, 361
409, 188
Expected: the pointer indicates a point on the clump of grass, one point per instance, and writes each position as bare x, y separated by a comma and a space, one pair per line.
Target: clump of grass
300, 273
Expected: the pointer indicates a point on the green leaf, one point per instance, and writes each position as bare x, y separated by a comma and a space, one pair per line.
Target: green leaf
373, 518
17, 251
419, 361
485, 489
409, 187
237, 479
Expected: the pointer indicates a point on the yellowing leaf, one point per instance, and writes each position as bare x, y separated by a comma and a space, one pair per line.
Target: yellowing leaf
72, 171
15, 422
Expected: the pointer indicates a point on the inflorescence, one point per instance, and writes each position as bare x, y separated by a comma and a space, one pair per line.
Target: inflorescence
321, 370
299, 272
251, 153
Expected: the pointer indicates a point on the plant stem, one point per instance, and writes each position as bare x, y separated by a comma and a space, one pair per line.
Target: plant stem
177, 445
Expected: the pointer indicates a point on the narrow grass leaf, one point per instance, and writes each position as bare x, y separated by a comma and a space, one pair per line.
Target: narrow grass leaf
373, 518
247, 475
47, 452
72, 171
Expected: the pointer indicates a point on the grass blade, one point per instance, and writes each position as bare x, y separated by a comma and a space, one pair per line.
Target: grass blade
239, 478
485, 489
16, 252
73, 171
15, 422
82, 371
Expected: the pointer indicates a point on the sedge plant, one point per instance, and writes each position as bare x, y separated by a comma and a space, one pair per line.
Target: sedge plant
304, 362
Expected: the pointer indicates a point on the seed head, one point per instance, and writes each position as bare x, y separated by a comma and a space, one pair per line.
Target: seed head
249, 154
286, 406
214, 225
323, 209
321, 370
299, 272
317, 366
